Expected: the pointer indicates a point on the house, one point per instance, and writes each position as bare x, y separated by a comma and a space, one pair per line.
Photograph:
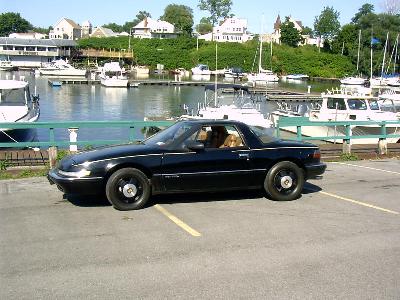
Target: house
87, 28
276, 35
149, 28
66, 29
27, 35
230, 30
103, 32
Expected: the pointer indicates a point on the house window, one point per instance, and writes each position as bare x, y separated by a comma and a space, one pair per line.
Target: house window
30, 48
41, 48
20, 48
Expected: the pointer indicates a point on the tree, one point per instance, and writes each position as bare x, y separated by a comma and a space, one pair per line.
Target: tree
13, 22
113, 26
327, 25
307, 31
363, 11
289, 34
181, 16
217, 8
204, 26
141, 15
391, 7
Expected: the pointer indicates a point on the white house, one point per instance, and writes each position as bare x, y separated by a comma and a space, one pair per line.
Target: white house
230, 30
276, 35
66, 29
87, 28
149, 28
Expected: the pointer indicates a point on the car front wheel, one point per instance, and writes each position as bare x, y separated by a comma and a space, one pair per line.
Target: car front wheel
284, 181
128, 189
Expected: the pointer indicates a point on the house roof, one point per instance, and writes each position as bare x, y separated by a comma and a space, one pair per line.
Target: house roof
70, 22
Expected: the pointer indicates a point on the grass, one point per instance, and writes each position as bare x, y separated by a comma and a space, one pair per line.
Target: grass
23, 173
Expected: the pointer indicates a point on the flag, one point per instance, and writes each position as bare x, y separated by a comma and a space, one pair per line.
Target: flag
375, 41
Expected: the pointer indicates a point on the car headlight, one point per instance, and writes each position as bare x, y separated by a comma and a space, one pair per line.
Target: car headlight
81, 173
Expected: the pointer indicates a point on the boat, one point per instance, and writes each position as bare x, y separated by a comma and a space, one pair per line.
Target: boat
112, 75
17, 105
242, 106
141, 70
60, 67
236, 73
6, 65
297, 77
263, 76
353, 80
201, 69
341, 105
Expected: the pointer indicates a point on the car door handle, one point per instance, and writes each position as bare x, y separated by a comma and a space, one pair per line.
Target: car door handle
244, 156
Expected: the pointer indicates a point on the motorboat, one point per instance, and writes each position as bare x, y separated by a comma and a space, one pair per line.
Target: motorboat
112, 75
180, 72
234, 73
353, 80
6, 65
17, 105
297, 77
141, 70
201, 69
61, 67
342, 105
241, 107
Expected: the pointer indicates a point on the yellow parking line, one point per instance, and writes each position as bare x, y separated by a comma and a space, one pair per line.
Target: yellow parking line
359, 203
375, 169
177, 221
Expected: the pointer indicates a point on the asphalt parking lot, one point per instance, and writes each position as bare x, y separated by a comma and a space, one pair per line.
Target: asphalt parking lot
340, 240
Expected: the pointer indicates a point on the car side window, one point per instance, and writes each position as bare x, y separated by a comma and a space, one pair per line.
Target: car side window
218, 137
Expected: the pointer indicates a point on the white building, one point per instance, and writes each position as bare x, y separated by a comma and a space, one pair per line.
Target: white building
103, 32
149, 28
27, 35
87, 28
66, 29
32, 53
231, 30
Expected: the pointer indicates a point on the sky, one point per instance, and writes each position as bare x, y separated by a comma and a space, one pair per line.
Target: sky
45, 13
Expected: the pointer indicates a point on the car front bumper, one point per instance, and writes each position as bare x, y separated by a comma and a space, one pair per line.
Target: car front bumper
314, 170
76, 185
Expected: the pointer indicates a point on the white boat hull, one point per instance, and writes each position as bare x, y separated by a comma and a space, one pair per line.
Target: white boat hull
110, 82
72, 72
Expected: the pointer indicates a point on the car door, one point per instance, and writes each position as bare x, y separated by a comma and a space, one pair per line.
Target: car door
216, 167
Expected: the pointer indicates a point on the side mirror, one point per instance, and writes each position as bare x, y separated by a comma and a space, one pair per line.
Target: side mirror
195, 145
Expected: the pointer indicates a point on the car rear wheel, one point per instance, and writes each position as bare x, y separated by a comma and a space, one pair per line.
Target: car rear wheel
128, 189
284, 181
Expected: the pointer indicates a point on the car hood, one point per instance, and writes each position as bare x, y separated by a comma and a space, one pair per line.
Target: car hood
113, 152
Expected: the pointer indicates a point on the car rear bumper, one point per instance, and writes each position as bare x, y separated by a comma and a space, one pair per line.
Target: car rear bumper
76, 185
314, 170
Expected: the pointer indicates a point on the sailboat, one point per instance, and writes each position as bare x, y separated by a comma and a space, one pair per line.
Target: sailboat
355, 80
263, 76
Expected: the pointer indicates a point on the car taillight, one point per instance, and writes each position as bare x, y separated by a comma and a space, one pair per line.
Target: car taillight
316, 155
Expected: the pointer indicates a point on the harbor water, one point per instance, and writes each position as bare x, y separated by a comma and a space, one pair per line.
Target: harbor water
93, 102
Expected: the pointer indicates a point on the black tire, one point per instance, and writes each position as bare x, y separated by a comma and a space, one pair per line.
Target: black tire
284, 181
128, 189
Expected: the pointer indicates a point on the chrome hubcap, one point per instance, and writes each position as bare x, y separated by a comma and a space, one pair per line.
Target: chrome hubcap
129, 190
286, 182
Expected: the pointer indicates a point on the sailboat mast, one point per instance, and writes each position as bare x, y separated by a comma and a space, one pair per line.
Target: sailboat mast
259, 58
358, 53
371, 54
384, 55
395, 54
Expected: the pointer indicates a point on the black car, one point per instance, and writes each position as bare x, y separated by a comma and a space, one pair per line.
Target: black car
191, 156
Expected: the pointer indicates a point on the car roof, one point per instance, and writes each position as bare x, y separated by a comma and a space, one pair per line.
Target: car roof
214, 122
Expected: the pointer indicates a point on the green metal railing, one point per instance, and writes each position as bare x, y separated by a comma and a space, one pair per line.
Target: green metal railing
300, 122
133, 127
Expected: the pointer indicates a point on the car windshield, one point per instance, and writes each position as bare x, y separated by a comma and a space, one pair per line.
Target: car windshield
264, 134
167, 136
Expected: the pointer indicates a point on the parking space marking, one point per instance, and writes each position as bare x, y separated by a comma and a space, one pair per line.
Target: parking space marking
358, 202
370, 168
177, 221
